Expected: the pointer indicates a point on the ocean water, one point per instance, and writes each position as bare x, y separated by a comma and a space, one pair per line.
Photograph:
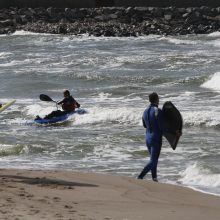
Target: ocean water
111, 79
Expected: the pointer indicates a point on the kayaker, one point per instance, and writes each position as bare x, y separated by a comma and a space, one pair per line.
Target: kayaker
0, 105
69, 104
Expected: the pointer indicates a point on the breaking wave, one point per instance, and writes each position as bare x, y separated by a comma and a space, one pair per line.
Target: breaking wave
213, 83
198, 176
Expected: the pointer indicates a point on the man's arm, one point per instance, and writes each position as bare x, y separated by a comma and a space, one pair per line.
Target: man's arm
61, 102
77, 104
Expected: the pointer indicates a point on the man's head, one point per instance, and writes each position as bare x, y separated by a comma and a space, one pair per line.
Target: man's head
154, 98
66, 93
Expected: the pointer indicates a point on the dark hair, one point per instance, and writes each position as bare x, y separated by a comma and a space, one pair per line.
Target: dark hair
153, 97
66, 92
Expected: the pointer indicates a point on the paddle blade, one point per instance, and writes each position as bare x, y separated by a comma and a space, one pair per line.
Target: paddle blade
45, 98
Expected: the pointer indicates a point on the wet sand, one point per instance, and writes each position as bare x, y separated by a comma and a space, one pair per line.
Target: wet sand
51, 195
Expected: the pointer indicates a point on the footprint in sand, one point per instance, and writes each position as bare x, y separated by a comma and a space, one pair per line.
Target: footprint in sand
56, 199
34, 211
59, 215
9, 200
30, 196
68, 207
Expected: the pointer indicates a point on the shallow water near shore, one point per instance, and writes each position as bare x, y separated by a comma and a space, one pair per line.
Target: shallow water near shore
111, 79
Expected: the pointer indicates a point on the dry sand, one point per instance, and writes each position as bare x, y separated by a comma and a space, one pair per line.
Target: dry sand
30, 195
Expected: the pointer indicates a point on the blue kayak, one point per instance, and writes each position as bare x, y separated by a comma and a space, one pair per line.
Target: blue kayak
60, 118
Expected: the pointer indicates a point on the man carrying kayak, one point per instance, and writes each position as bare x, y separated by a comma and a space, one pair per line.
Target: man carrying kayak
152, 121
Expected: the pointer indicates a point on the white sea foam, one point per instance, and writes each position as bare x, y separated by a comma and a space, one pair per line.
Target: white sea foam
214, 34
195, 175
215, 43
19, 62
188, 94
179, 41
213, 82
202, 118
35, 109
16, 121
88, 76
86, 38
102, 115
106, 151
23, 33
5, 54
103, 96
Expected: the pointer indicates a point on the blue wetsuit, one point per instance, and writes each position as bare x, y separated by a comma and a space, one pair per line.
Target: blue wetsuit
152, 121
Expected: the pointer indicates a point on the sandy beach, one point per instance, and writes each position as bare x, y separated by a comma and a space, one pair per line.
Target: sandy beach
31, 194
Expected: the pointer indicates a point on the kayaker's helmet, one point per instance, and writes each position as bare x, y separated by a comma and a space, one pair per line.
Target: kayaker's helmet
66, 93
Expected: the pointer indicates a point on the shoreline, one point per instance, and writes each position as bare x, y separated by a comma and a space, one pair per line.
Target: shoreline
113, 174
112, 21
56, 194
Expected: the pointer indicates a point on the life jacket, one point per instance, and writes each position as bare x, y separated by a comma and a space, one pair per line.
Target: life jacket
68, 107
69, 104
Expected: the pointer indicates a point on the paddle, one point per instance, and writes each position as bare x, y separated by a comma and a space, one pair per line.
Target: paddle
46, 98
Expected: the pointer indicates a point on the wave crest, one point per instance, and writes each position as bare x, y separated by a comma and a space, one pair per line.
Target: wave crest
213, 83
202, 118
97, 115
198, 175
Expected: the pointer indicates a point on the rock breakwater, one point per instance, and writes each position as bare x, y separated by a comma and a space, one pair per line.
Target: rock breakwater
131, 21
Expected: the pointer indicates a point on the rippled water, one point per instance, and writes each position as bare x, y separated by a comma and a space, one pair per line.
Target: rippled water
111, 78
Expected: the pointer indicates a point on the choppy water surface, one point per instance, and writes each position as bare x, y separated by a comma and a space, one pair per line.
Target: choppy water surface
111, 78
